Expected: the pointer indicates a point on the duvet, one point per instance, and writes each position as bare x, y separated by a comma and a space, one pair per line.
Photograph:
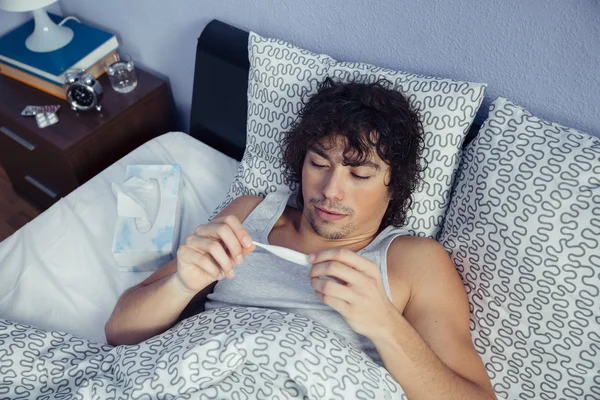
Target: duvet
228, 353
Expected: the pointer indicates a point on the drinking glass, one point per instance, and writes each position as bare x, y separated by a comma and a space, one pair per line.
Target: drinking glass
121, 73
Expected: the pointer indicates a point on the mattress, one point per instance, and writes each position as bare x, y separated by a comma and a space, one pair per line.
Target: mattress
58, 272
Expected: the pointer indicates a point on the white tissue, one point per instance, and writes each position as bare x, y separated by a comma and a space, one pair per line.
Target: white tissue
139, 199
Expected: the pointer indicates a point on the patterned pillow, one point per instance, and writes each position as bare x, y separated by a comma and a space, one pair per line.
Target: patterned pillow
523, 229
281, 75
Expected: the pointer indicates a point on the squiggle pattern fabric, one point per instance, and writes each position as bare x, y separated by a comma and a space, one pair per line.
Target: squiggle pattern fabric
281, 75
229, 353
523, 229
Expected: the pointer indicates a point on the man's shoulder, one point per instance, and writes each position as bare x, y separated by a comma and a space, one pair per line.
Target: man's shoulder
416, 246
417, 260
424, 254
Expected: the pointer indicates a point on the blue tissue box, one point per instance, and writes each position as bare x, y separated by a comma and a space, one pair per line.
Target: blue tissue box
148, 251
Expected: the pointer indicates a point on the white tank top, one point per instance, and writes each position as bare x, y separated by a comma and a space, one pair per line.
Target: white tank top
265, 280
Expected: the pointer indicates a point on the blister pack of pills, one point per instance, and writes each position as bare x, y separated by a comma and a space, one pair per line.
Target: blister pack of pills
33, 110
44, 115
46, 119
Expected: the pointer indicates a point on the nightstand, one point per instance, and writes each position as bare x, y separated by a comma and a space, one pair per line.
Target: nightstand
47, 164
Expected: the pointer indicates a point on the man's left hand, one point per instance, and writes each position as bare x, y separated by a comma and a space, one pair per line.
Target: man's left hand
357, 292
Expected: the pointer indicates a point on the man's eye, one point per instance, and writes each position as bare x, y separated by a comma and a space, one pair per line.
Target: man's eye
317, 165
359, 176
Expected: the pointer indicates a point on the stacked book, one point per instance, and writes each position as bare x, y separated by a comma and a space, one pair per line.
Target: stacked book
88, 50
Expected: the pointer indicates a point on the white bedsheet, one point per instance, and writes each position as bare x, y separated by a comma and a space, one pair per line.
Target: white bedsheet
58, 272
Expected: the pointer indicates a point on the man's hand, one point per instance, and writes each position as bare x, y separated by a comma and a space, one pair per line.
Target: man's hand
211, 252
357, 292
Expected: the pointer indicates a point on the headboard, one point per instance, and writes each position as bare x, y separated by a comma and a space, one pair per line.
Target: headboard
219, 100
219, 106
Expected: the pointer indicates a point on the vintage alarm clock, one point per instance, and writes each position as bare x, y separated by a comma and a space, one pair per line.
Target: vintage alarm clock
84, 92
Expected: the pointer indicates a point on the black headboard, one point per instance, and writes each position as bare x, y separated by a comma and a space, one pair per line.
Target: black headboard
219, 100
219, 105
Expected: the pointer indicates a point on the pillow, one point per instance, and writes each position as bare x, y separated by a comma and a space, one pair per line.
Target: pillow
281, 75
523, 229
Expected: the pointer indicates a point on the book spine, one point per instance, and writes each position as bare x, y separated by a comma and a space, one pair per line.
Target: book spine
32, 80
28, 70
51, 88
91, 59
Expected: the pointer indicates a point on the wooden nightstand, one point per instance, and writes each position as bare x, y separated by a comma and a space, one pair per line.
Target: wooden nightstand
47, 164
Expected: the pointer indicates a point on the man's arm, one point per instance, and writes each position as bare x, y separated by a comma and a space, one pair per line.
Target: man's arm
428, 349
423, 339
148, 308
154, 305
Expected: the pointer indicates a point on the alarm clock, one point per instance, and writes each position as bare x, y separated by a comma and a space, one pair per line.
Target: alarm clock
84, 92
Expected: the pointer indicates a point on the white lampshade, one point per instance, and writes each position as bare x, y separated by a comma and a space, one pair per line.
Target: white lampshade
47, 35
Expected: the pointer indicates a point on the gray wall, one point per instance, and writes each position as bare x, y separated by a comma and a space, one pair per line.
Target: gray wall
542, 54
10, 20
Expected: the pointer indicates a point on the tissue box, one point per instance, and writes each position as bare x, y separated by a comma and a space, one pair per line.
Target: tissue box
136, 251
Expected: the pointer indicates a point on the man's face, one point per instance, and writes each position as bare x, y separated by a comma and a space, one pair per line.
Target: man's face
342, 201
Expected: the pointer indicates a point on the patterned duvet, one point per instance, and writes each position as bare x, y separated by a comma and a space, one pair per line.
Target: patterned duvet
229, 353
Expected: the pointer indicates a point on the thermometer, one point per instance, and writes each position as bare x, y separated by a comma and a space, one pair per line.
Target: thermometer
285, 253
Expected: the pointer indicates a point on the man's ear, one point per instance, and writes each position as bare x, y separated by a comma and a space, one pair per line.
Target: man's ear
387, 179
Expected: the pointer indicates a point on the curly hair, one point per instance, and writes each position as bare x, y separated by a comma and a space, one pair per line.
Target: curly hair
369, 116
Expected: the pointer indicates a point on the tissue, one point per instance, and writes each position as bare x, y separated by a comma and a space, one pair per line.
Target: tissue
148, 217
140, 199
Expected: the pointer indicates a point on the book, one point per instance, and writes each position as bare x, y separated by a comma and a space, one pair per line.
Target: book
51, 88
89, 45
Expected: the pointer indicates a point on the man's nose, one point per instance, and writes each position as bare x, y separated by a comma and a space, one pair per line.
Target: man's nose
333, 185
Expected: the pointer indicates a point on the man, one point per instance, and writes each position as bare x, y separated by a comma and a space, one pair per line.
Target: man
354, 152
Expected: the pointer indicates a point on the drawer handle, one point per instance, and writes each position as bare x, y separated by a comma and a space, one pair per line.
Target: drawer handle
40, 186
23, 142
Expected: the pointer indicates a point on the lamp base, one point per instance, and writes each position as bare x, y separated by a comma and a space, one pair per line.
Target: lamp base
47, 36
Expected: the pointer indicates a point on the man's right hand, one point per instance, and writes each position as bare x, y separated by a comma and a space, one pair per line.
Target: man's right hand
211, 252
152, 306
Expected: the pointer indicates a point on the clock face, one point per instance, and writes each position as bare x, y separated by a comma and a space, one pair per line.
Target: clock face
82, 96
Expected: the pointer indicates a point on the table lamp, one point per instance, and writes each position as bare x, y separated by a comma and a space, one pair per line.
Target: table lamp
47, 36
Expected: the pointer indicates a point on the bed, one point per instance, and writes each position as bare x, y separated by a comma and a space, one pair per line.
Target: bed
59, 282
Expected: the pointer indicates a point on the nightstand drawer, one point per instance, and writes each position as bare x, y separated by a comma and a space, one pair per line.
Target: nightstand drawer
43, 185
16, 138
43, 194
17, 145
34, 167
20, 152
17, 134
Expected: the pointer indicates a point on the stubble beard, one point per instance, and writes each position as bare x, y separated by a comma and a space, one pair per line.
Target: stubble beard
322, 230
